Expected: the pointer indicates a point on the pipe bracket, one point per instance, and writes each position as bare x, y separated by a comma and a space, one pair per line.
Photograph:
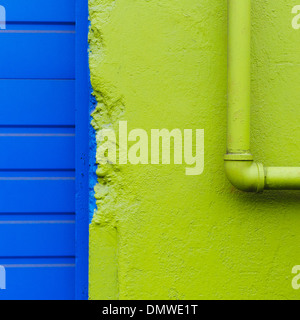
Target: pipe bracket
238, 157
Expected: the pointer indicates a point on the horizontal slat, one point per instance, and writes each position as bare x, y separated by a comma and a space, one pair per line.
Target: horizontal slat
28, 217
37, 102
37, 56
39, 10
40, 196
34, 238
39, 283
37, 151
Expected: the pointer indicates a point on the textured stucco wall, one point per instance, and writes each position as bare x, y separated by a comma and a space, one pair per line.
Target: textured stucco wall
157, 233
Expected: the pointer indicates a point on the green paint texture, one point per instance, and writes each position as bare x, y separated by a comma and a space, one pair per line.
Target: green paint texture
157, 233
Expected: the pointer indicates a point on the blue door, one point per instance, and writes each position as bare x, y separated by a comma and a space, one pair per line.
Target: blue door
43, 149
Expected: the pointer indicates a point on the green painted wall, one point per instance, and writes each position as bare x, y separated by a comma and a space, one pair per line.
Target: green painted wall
159, 234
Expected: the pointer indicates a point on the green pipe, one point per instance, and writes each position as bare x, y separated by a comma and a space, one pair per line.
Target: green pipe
239, 34
282, 178
242, 171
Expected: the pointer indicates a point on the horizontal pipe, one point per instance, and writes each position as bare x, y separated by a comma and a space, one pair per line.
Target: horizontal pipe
282, 178
242, 171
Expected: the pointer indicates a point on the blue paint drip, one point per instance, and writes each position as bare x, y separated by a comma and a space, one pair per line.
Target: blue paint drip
92, 159
93, 179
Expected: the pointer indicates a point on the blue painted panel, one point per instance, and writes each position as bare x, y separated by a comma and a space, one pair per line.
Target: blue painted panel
37, 238
82, 149
38, 102
37, 151
40, 10
40, 282
37, 55
38, 216
29, 196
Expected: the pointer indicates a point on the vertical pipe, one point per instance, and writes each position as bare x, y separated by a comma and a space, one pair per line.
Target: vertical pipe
241, 170
239, 72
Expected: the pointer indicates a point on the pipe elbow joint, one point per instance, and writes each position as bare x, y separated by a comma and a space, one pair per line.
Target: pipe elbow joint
245, 175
